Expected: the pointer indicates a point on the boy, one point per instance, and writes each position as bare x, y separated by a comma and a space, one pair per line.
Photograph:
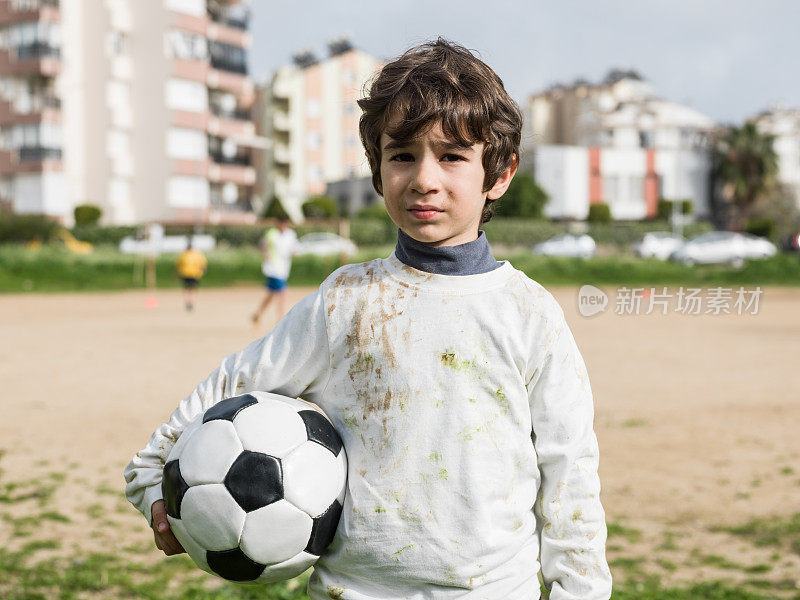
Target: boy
190, 266
460, 395
278, 247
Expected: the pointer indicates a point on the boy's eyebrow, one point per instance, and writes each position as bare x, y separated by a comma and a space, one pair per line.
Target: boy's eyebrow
444, 144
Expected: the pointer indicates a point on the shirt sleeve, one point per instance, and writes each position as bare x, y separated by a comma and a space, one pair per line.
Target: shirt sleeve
293, 360
570, 518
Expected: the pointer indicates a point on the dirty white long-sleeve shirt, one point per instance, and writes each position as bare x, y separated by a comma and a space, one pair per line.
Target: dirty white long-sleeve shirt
466, 413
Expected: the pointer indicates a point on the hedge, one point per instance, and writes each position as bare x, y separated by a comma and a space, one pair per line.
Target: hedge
381, 232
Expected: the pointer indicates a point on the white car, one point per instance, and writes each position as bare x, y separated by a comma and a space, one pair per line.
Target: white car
723, 247
567, 244
658, 244
325, 244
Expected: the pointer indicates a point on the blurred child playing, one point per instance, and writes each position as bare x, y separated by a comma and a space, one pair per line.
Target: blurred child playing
278, 246
460, 395
190, 266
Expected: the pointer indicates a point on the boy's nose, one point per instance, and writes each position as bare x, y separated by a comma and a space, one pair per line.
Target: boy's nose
425, 178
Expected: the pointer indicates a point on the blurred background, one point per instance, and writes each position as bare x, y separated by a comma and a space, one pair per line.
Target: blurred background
660, 158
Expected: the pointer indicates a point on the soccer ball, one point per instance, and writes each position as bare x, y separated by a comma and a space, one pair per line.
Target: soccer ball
254, 487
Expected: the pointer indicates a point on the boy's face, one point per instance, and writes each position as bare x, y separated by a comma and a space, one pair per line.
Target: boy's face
432, 187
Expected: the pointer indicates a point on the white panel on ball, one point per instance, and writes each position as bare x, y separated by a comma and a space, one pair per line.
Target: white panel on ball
275, 533
311, 478
195, 550
270, 428
184, 438
288, 569
212, 517
210, 453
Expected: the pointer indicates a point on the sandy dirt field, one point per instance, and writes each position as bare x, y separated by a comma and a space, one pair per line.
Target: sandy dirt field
697, 416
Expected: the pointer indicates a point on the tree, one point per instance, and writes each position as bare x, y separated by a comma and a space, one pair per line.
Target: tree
599, 213
275, 210
87, 214
321, 207
745, 167
523, 198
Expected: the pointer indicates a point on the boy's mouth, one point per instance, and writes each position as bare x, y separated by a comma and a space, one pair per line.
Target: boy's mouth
424, 212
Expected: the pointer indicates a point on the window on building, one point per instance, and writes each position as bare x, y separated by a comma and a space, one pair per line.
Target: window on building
187, 46
182, 94
636, 195
314, 108
189, 144
610, 188
314, 140
189, 7
350, 140
314, 172
119, 43
646, 139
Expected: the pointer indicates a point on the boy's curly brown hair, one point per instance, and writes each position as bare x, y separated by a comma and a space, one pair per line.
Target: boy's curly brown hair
442, 82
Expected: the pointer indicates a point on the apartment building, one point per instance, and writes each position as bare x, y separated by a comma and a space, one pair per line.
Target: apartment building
141, 108
784, 123
616, 142
308, 111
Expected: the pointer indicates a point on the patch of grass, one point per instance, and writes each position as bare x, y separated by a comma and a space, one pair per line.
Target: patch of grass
667, 565
774, 531
720, 562
668, 542
15, 492
53, 515
652, 590
628, 564
51, 269
760, 568
617, 529
787, 470
634, 423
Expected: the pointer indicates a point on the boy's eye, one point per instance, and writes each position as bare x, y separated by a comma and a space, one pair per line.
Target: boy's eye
452, 157
402, 157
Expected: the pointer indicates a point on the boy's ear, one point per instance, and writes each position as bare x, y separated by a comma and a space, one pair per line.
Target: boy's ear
501, 185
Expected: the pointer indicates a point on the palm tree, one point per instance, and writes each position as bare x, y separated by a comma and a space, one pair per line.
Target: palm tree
745, 166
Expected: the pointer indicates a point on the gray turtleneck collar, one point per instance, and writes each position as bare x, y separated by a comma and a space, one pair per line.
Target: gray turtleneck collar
471, 258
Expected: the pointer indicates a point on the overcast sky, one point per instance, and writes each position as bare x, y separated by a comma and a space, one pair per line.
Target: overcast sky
729, 59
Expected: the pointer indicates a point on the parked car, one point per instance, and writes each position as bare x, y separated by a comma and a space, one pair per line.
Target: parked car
324, 244
567, 244
792, 242
723, 247
658, 244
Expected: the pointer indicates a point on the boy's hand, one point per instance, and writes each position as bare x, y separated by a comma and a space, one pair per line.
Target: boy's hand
165, 539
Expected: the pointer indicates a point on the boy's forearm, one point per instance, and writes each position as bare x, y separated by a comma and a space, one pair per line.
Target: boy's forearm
570, 516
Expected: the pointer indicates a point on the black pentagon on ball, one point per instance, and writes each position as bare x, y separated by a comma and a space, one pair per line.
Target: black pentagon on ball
255, 480
320, 430
173, 487
227, 409
323, 529
234, 565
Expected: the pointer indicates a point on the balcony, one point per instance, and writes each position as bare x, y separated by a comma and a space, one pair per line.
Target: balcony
224, 64
38, 154
221, 159
38, 50
26, 5
24, 11
231, 20
227, 57
237, 114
